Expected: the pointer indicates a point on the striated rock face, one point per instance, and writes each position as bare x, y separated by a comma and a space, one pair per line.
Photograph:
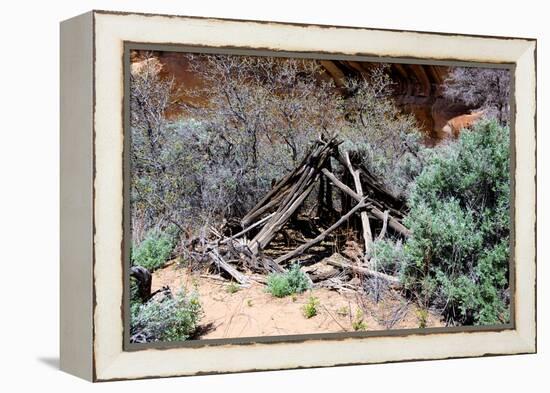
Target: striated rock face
417, 88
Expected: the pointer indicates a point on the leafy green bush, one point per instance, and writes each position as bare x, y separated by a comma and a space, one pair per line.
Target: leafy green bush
284, 284
171, 319
457, 256
154, 251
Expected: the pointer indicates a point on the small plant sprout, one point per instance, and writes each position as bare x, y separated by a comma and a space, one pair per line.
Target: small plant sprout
343, 311
249, 303
232, 288
358, 323
422, 316
310, 308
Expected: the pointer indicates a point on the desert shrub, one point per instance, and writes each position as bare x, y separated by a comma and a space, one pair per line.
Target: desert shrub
170, 319
310, 308
154, 251
457, 256
285, 284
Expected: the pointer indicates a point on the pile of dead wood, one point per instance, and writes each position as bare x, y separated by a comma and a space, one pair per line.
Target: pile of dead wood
358, 194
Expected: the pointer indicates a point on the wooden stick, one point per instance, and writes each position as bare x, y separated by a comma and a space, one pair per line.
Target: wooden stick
321, 236
340, 185
392, 222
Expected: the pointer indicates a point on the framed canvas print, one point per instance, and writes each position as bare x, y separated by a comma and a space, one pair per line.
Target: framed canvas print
245, 195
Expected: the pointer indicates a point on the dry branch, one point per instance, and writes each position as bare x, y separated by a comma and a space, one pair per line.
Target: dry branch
384, 226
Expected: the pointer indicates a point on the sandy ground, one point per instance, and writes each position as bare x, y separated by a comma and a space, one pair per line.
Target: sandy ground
251, 312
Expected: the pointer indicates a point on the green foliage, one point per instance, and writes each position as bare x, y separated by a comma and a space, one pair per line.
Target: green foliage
358, 323
457, 257
387, 255
285, 284
153, 252
422, 316
135, 300
343, 311
232, 288
310, 308
171, 319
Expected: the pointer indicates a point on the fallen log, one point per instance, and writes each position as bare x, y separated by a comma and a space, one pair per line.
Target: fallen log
362, 204
367, 272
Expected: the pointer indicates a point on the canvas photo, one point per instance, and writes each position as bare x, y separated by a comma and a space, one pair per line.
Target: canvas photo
280, 196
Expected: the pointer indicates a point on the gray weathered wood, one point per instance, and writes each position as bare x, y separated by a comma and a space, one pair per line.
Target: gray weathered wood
321, 236
222, 264
367, 233
392, 222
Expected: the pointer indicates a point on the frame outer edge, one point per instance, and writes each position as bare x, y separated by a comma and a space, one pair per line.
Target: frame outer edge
76, 196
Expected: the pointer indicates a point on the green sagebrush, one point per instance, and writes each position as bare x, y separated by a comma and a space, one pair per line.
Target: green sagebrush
457, 256
172, 319
285, 284
153, 252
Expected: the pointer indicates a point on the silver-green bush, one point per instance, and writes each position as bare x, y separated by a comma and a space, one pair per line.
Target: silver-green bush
285, 284
174, 318
457, 256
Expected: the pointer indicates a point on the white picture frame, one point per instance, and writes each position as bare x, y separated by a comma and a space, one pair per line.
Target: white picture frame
92, 196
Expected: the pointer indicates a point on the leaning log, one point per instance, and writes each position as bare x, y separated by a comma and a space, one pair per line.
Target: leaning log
257, 224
